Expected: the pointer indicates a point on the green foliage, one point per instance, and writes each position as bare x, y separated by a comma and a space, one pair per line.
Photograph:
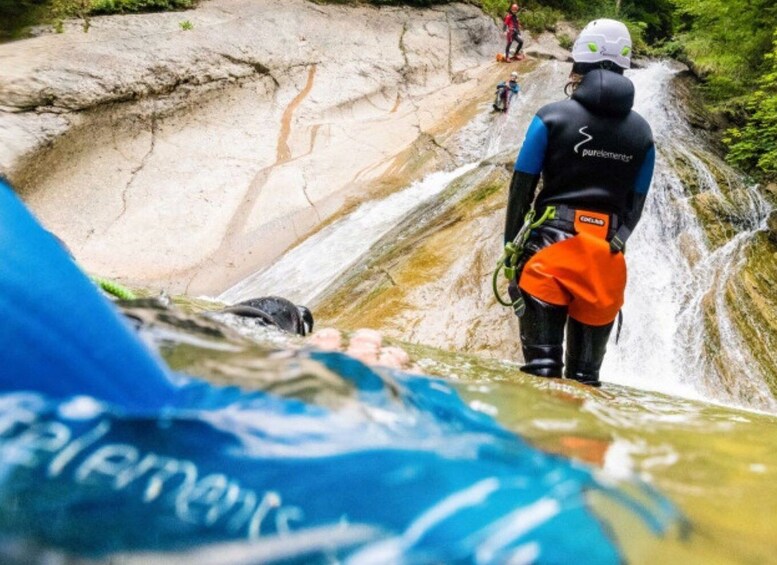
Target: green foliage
754, 146
726, 41
656, 18
15, 15
186, 25
123, 6
540, 19
565, 41
416, 3
671, 49
495, 8
61, 9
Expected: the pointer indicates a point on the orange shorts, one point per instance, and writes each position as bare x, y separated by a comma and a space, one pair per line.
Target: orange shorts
580, 272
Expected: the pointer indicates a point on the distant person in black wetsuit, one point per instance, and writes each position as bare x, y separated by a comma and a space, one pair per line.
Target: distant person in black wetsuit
595, 156
277, 312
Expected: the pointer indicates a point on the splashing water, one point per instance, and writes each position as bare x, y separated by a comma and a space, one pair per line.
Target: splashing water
308, 269
673, 269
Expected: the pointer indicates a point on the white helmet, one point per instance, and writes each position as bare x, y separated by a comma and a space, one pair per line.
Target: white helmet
513, 75
603, 40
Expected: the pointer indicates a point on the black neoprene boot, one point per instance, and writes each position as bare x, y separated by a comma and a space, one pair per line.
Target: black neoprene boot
586, 346
542, 335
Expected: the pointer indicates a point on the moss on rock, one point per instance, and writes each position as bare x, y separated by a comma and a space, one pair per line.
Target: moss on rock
752, 298
376, 291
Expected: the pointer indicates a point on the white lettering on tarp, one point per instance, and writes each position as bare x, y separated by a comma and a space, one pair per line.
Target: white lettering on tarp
39, 440
202, 501
75, 447
14, 417
244, 515
166, 468
270, 500
286, 514
108, 461
194, 502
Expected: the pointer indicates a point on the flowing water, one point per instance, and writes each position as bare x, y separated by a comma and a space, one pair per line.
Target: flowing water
673, 269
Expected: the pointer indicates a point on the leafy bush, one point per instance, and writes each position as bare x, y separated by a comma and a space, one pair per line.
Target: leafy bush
540, 19
565, 41
754, 146
496, 8
15, 15
726, 41
123, 6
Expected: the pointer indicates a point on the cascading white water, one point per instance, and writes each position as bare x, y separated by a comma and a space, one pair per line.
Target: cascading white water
308, 269
673, 271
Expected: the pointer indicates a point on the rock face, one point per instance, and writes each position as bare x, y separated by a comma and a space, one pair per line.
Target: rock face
185, 159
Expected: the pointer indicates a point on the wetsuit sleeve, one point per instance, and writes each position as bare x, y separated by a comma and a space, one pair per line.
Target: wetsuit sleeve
526, 175
636, 203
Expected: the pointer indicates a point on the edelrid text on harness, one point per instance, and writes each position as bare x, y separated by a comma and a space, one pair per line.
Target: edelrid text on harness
512, 253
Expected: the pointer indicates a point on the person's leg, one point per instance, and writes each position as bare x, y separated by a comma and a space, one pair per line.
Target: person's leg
509, 44
542, 335
519, 40
586, 346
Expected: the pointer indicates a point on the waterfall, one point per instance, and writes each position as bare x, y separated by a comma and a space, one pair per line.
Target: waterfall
675, 272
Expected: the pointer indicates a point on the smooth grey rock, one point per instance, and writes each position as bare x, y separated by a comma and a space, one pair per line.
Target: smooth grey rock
187, 159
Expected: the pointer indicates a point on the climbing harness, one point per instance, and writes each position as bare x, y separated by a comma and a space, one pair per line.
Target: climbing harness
512, 253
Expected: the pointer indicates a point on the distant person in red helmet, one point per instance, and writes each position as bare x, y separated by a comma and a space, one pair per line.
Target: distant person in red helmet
512, 27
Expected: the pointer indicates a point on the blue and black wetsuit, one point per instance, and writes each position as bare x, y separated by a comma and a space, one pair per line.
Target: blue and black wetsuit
595, 156
504, 94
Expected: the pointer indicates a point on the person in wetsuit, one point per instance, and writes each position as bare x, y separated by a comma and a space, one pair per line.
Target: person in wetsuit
595, 156
505, 92
512, 27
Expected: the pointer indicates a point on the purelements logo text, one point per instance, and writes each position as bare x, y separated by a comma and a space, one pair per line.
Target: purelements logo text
600, 153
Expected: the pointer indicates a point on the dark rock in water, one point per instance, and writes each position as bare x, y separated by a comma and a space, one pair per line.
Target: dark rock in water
771, 223
685, 88
275, 311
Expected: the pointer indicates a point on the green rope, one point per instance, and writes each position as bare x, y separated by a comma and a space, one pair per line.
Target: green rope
114, 288
512, 253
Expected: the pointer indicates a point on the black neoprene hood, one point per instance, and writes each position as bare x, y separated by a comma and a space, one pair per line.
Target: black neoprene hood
606, 93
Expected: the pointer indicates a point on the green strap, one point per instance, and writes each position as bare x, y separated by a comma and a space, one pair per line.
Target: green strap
513, 250
114, 288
